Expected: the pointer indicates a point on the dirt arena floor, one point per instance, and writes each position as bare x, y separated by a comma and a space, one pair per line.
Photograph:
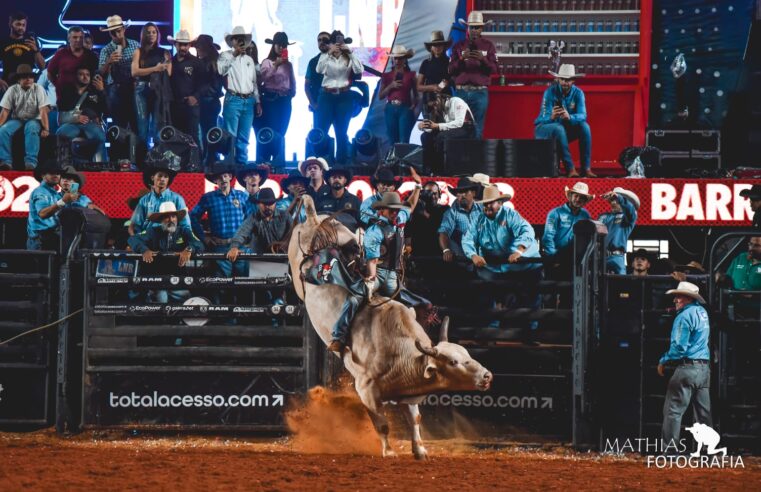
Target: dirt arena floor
331, 447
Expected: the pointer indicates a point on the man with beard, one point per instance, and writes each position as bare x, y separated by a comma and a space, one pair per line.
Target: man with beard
262, 228
315, 168
383, 181
158, 177
19, 48
339, 199
744, 273
620, 223
62, 69
44, 204
557, 240
26, 106
189, 81
313, 79
458, 218
425, 221
81, 108
115, 64
169, 236
253, 176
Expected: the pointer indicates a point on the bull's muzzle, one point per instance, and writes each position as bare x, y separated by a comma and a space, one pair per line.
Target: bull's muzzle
485, 382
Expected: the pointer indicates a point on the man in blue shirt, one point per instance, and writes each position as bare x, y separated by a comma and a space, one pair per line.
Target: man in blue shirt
158, 177
295, 185
382, 181
225, 208
557, 240
563, 117
70, 176
458, 218
620, 223
689, 356
44, 204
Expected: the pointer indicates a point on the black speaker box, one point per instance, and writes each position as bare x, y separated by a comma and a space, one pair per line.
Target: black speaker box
470, 156
529, 158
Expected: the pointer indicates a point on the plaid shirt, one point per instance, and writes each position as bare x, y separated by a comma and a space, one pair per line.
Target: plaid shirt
457, 221
226, 213
120, 72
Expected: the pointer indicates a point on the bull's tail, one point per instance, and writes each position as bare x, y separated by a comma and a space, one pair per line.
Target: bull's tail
311, 211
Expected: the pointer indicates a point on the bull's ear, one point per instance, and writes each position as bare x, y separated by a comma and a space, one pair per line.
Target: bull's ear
430, 370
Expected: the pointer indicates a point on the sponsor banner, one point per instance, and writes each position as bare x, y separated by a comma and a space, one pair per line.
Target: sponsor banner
669, 202
111, 309
173, 309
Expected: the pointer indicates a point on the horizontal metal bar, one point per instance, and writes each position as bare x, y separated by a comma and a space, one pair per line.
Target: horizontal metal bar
175, 353
108, 253
189, 427
186, 368
241, 331
15, 325
17, 305
23, 278
23, 365
23, 421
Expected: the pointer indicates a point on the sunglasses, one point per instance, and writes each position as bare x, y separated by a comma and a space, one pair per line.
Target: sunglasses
477, 28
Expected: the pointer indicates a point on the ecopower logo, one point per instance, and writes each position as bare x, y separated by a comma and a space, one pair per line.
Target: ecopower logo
672, 454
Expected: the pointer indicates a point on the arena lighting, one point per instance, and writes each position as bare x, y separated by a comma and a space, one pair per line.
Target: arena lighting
270, 146
320, 144
182, 145
365, 150
220, 142
123, 145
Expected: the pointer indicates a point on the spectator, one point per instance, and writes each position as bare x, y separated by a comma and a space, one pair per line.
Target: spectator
450, 119
315, 168
641, 261
151, 65
242, 96
82, 107
458, 219
278, 87
62, 69
753, 195
335, 104
23, 105
340, 199
295, 185
115, 64
89, 43
425, 221
210, 107
189, 80
473, 61
563, 117
433, 75
262, 229
158, 177
620, 223
313, 79
170, 235
253, 177
382, 182
399, 89
19, 48
745, 269
44, 204
557, 240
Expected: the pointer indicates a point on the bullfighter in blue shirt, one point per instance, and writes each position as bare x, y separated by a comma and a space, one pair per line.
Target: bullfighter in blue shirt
563, 117
558, 229
157, 177
44, 203
620, 223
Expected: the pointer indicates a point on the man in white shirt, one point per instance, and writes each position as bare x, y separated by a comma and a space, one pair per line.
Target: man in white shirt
242, 96
23, 105
450, 118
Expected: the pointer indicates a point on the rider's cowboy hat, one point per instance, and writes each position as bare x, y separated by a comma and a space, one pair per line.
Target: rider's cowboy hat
390, 200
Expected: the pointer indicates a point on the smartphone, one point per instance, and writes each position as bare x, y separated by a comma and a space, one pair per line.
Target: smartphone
119, 49
74, 188
284, 54
442, 85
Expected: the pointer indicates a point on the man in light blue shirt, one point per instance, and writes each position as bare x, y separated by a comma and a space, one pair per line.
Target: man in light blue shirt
689, 356
557, 240
458, 218
44, 204
157, 176
383, 181
620, 223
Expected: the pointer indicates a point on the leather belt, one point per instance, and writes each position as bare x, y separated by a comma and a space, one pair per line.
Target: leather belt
396, 102
693, 362
336, 91
470, 87
617, 252
242, 96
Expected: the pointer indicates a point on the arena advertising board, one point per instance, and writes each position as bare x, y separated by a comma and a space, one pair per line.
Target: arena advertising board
671, 202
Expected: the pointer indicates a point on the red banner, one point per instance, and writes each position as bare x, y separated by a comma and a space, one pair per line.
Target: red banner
672, 202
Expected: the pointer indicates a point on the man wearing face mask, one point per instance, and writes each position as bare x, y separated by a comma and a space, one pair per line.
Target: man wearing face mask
262, 229
313, 79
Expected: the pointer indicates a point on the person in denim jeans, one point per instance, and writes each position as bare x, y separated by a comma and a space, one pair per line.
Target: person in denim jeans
399, 88
278, 87
208, 53
85, 118
115, 65
149, 59
28, 104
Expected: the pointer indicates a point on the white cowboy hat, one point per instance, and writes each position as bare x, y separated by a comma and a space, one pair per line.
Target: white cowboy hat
114, 22
492, 193
475, 18
687, 289
629, 195
399, 51
182, 36
581, 188
481, 178
310, 160
566, 71
165, 209
238, 31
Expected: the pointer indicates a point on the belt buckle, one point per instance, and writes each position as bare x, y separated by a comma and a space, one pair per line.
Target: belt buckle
396, 102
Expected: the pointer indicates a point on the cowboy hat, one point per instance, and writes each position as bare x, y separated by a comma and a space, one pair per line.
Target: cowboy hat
50, 166
205, 40
265, 196
238, 31
687, 289
71, 173
182, 36
650, 256
463, 185
437, 39
752, 193
261, 169
399, 51
566, 71
492, 194
219, 167
292, 177
475, 18
480, 178
334, 36
386, 176
339, 170
155, 166
280, 39
166, 209
579, 188
629, 195
313, 160
114, 22
392, 200
23, 71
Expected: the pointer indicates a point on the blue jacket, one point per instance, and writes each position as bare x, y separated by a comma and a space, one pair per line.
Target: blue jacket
574, 103
558, 231
689, 335
620, 225
501, 237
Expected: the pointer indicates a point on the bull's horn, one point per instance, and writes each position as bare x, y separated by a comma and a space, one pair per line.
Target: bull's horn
429, 351
444, 330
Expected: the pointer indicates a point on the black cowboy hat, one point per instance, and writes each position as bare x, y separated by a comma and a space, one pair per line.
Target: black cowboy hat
50, 166
464, 184
385, 175
205, 40
334, 35
346, 172
155, 165
71, 173
22, 71
753, 193
265, 196
280, 39
219, 167
291, 178
642, 253
261, 169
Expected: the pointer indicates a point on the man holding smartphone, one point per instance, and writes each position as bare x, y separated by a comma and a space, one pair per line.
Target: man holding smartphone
81, 108
563, 117
114, 65
19, 48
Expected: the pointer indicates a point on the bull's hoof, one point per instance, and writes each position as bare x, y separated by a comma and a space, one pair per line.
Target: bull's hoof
420, 453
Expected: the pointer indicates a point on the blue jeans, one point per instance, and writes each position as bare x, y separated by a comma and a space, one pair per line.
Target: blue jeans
146, 109
238, 113
91, 131
478, 101
348, 310
31, 140
690, 383
615, 264
226, 268
164, 296
210, 109
119, 99
565, 132
399, 121
336, 110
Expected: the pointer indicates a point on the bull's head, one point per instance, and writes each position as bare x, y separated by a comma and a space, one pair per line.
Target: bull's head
452, 367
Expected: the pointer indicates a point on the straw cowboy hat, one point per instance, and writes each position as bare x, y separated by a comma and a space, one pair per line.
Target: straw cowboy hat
182, 36
566, 71
475, 18
238, 31
399, 51
629, 195
206, 41
313, 160
22, 71
753, 193
114, 22
70, 172
390, 200
579, 188
280, 39
437, 39
166, 209
492, 194
687, 289
480, 178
